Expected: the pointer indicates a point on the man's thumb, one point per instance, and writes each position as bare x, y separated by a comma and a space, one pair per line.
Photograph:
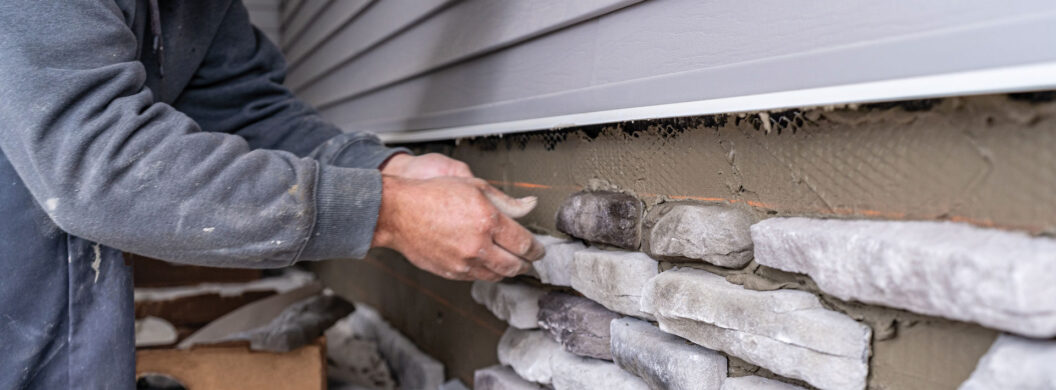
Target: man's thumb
513, 208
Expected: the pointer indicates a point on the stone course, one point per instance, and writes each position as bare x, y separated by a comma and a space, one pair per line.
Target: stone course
602, 216
517, 303
1015, 363
752, 382
571, 372
715, 234
501, 378
529, 352
665, 361
614, 279
555, 268
999, 279
788, 332
579, 324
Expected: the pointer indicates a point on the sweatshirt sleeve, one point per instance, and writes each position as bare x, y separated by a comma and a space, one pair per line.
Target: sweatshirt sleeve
110, 165
238, 89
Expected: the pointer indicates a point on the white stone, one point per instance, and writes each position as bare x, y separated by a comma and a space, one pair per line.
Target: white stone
999, 279
517, 303
711, 233
501, 378
1015, 363
756, 383
662, 360
573, 372
788, 332
528, 352
614, 279
555, 268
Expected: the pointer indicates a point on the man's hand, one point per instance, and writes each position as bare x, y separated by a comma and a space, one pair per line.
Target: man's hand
449, 226
426, 166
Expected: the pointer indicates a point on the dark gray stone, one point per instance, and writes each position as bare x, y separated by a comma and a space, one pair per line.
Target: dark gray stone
602, 216
579, 324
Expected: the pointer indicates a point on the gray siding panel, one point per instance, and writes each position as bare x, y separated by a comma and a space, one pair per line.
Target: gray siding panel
379, 22
443, 40
402, 66
339, 14
302, 19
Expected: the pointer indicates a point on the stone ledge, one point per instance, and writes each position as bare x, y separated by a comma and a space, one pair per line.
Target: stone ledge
516, 303
1015, 363
786, 331
528, 352
999, 279
715, 234
555, 268
614, 279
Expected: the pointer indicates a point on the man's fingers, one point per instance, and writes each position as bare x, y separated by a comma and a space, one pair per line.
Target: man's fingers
481, 273
513, 237
514, 208
504, 263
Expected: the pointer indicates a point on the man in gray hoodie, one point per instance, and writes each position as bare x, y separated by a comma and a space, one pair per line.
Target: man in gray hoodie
166, 131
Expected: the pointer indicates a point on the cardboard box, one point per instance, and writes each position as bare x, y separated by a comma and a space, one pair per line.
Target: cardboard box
233, 366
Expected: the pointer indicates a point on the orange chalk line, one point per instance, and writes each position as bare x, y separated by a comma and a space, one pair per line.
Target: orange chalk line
836, 211
431, 294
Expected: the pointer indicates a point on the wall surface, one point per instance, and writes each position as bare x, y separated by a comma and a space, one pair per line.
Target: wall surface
265, 15
439, 69
983, 161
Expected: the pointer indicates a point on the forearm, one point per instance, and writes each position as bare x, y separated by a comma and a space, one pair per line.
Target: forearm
110, 165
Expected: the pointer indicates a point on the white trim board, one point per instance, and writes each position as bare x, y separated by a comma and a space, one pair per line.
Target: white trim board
1032, 77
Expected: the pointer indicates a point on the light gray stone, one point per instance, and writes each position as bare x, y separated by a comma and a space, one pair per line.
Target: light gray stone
517, 303
1015, 363
711, 233
602, 216
756, 383
579, 324
499, 377
528, 352
412, 368
665, 361
788, 332
573, 372
555, 267
614, 279
999, 279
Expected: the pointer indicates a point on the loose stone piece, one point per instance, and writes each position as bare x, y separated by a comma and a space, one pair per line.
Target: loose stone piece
756, 383
999, 279
786, 331
573, 372
715, 234
665, 361
602, 216
1015, 363
499, 377
555, 267
614, 279
579, 324
528, 352
517, 303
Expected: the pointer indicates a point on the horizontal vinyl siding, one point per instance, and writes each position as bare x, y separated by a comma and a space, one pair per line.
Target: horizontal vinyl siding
403, 65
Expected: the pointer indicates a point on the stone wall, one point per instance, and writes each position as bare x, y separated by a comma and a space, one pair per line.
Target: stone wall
688, 295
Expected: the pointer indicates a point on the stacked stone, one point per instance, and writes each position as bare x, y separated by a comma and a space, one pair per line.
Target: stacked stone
637, 327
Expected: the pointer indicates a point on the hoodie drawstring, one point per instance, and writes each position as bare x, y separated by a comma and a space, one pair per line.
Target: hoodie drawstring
155, 30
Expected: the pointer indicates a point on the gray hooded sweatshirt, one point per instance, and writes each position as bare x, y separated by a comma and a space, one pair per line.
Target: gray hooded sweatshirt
170, 137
